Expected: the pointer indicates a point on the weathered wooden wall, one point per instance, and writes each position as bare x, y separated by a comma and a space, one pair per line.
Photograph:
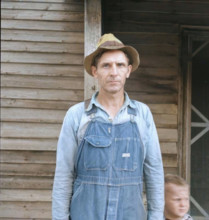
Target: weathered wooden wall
42, 75
154, 28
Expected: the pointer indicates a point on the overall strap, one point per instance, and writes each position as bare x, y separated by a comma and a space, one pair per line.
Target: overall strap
132, 113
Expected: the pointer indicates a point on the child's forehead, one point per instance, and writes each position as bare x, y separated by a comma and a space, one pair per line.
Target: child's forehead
171, 187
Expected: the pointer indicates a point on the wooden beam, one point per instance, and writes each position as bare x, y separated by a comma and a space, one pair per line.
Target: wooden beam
92, 34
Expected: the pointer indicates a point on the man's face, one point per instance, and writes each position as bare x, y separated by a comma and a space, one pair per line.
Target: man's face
176, 201
111, 71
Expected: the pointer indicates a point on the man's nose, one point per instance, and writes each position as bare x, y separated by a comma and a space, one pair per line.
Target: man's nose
114, 70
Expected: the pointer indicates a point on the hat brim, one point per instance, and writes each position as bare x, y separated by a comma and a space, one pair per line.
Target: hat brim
132, 52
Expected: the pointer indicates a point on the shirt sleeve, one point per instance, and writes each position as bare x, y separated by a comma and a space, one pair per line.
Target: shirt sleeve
153, 172
64, 172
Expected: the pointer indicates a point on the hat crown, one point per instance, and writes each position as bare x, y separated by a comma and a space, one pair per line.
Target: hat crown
108, 39
110, 42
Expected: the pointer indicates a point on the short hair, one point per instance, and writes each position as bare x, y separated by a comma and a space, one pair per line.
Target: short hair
175, 179
98, 56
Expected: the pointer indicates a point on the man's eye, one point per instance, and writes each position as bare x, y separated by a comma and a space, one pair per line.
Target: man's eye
106, 65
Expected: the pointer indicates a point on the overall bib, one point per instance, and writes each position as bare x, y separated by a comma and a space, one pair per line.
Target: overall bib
109, 172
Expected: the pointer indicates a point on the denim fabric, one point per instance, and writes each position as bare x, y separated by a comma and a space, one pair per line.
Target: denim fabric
103, 177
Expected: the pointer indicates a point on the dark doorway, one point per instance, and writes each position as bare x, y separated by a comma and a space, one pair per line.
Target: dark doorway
200, 126
196, 124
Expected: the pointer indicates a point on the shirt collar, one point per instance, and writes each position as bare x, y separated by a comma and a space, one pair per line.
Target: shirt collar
93, 101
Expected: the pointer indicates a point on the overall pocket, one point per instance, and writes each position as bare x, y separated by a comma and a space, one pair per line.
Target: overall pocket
125, 153
96, 152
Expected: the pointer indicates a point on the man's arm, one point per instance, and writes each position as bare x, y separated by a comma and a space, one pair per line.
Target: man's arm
153, 172
64, 173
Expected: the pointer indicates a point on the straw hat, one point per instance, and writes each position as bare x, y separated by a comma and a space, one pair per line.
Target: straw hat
110, 42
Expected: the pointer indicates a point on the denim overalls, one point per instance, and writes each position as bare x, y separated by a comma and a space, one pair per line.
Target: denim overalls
109, 172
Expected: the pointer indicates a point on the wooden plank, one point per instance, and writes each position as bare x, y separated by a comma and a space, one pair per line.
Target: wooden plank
155, 72
29, 144
154, 98
48, 1
165, 120
42, 15
137, 26
25, 157
152, 85
46, 6
24, 218
167, 135
25, 210
21, 182
168, 7
189, 19
42, 47
42, 82
42, 36
37, 104
32, 115
148, 38
155, 17
34, 170
14, 195
170, 161
158, 61
74, 26
42, 69
29, 130
168, 148
171, 170
42, 94
167, 50
42, 58
163, 108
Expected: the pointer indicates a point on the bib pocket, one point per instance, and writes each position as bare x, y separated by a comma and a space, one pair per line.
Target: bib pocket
125, 154
96, 152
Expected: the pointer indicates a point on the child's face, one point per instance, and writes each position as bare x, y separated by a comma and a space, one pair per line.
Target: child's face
176, 201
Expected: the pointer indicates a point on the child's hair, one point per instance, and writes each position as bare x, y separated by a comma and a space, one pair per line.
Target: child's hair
175, 179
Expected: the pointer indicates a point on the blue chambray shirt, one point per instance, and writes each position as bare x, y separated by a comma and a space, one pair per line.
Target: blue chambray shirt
71, 135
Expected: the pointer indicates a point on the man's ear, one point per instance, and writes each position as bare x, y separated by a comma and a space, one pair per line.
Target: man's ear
94, 71
129, 71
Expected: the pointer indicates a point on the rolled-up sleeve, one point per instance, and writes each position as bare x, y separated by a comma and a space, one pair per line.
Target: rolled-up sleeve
153, 171
64, 172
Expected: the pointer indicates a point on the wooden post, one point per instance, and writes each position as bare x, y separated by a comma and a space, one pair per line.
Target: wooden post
187, 115
92, 35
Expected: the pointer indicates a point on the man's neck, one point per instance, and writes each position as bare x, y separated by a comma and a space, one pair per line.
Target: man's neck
112, 103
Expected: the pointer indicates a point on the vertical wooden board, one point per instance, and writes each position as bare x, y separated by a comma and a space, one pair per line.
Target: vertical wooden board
93, 22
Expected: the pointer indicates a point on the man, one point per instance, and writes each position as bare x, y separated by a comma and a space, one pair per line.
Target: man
176, 198
106, 145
